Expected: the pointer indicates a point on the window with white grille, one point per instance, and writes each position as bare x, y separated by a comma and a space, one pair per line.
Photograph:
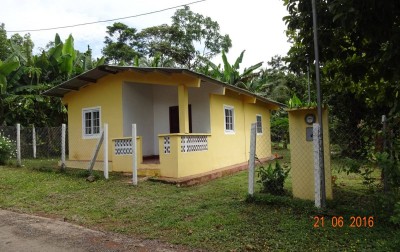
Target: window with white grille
91, 122
229, 119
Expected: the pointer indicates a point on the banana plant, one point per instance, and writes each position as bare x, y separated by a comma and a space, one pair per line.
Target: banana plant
84, 62
68, 56
230, 73
158, 60
7, 67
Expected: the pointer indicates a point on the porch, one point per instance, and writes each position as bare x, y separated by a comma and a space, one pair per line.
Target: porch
179, 155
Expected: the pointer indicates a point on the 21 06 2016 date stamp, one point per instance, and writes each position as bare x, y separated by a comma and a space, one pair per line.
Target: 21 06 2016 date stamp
340, 221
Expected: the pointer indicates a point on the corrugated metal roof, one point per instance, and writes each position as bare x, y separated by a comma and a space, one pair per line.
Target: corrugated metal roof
92, 76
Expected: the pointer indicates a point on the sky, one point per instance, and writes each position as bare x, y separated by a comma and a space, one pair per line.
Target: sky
253, 25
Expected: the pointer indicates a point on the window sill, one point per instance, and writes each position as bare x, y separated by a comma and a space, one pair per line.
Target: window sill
229, 132
91, 136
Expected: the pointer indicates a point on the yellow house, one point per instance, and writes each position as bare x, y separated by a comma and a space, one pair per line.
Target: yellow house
187, 123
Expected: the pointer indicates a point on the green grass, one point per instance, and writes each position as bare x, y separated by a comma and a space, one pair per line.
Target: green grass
216, 216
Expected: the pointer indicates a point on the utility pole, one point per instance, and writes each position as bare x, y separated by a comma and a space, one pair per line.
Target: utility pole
308, 81
319, 105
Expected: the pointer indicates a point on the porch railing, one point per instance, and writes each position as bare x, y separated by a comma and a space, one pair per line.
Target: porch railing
122, 153
194, 143
188, 143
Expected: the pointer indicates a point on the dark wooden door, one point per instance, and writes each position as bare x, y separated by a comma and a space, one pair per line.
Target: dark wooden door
174, 119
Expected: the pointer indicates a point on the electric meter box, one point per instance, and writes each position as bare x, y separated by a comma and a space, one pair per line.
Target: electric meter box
301, 122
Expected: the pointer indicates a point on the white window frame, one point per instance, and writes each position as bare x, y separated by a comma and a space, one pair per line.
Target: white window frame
259, 128
84, 111
231, 108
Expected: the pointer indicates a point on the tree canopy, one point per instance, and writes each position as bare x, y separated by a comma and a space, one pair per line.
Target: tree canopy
121, 44
190, 38
358, 46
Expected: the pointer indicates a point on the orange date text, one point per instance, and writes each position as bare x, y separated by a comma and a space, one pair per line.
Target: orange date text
340, 221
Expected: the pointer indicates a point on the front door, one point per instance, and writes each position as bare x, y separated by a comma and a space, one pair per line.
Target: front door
174, 119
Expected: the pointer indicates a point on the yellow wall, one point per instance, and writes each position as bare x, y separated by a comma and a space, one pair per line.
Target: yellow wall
263, 141
106, 93
229, 149
169, 162
302, 155
226, 149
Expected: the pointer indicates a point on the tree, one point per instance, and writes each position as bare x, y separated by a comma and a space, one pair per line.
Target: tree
121, 45
4, 45
190, 38
359, 58
199, 30
281, 83
358, 51
230, 73
166, 40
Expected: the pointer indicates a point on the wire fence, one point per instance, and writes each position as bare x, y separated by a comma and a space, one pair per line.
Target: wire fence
36, 142
56, 147
353, 159
284, 156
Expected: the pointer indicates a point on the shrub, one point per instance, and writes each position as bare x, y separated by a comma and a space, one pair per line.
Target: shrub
7, 149
395, 218
280, 129
272, 178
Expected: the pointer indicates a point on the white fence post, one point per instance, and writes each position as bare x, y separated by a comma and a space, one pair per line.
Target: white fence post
18, 144
105, 149
34, 141
317, 168
63, 131
252, 158
134, 156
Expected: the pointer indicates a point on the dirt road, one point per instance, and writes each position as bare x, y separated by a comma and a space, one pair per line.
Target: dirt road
22, 232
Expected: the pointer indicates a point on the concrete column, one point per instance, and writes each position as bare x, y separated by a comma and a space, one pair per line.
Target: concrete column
183, 101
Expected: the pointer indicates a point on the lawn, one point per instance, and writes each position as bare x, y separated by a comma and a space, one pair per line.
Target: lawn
215, 216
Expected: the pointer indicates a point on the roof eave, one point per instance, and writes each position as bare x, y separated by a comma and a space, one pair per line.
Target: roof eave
84, 78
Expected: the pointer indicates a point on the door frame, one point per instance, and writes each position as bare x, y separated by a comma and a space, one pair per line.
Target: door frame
174, 119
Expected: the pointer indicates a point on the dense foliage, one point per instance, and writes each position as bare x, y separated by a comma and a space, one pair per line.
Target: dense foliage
358, 51
358, 55
24, 76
